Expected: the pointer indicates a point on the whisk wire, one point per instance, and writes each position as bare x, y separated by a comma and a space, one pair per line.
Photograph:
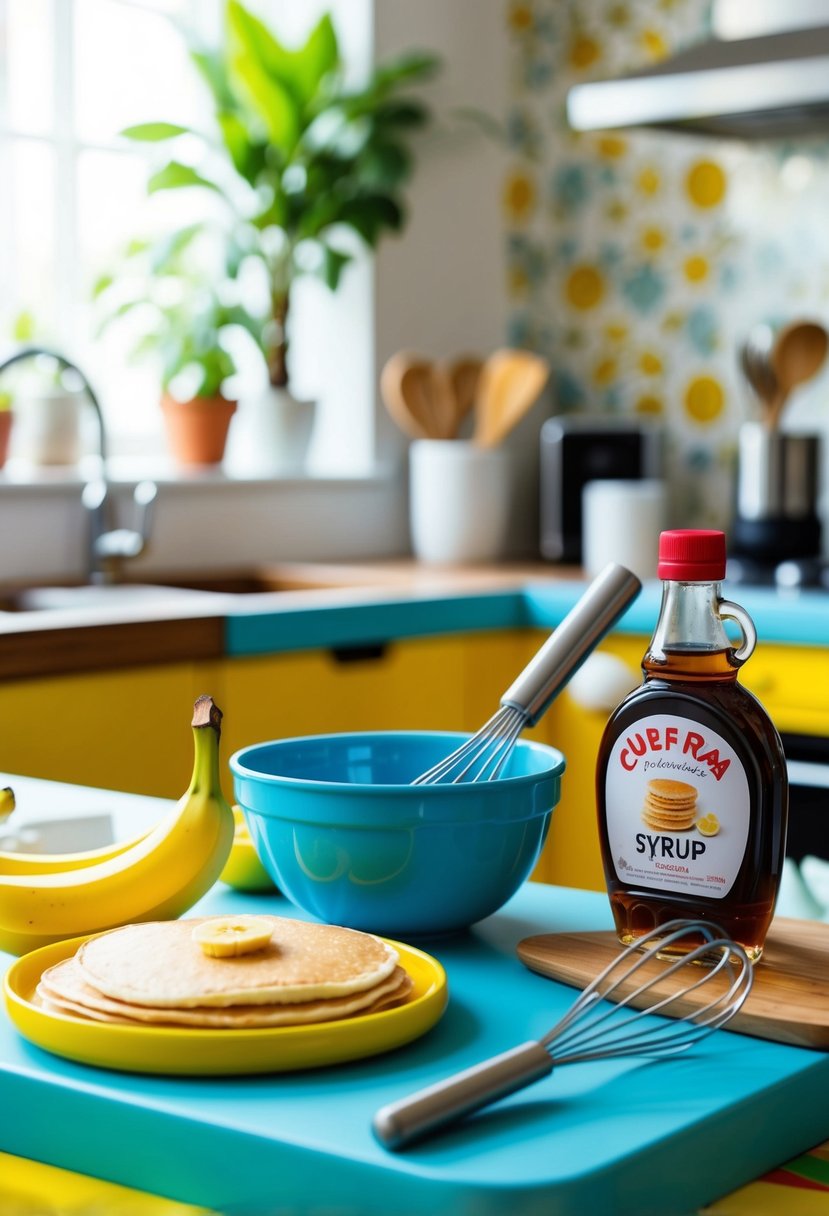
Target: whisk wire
488, 749
588, 1022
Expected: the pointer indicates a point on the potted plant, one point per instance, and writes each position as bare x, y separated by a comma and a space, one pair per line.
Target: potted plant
182, 322
301, 163
45, 401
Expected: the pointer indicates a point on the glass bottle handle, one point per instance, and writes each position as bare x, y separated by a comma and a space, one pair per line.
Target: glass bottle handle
733, 612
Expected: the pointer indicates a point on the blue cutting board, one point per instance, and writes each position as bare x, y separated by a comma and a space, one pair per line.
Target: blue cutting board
629, 1137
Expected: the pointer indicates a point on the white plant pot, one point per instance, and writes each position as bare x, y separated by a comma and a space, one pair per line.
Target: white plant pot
48, 428
459, 501
273, 433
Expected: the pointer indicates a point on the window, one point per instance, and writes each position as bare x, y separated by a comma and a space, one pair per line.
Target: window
73, 74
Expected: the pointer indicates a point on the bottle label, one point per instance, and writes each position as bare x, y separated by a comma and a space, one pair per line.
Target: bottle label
677, 806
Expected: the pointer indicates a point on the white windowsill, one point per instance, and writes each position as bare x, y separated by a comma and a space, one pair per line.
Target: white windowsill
18, 475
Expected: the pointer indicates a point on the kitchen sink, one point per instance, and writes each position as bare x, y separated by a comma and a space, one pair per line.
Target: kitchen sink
46, 599
169, 589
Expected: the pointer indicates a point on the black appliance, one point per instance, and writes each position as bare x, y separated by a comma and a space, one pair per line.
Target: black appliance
807, 759
576, 450
778, 482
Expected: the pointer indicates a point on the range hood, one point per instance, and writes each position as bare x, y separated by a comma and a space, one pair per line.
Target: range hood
764, 75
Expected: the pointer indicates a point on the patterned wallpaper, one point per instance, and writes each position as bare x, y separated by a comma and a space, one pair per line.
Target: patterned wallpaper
638, 260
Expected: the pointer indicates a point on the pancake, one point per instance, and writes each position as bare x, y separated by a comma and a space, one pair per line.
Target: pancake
670, 806
63, 989
160, 966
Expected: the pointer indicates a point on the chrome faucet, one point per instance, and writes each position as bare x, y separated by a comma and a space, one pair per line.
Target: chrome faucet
108, 546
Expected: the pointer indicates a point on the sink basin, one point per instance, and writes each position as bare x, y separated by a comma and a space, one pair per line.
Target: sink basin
44, 599
178, 590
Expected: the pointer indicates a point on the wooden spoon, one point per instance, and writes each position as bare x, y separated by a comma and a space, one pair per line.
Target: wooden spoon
797, 355
418, 396
510, 384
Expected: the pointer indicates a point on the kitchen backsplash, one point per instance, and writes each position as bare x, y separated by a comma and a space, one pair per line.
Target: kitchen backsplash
638, 260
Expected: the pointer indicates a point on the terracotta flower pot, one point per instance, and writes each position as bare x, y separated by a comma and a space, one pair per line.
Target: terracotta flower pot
197, 430
6, 418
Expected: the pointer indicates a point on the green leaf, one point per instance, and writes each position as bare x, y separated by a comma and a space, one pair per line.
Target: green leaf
155, 132
408, 114
369, 214
317, 59
412, 67
101, 284
211, 65
268, 100
385, 165
176, 175
164, 254
137, 245
248, 157
299, 72
333, 265
24, 327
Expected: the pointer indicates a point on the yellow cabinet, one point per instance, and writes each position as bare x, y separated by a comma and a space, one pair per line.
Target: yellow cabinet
439, 683
127, 729
792, 682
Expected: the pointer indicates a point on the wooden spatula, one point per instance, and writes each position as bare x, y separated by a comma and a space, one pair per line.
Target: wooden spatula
510, 384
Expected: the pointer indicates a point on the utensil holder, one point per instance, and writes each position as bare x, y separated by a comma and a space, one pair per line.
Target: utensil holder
459, 501
777, 494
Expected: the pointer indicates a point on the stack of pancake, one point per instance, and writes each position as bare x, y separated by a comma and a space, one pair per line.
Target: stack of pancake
670, 806
158, 974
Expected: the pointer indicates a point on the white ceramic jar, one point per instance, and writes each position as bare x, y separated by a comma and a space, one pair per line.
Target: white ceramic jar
459, 501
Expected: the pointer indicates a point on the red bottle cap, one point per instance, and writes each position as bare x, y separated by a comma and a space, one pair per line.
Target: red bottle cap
692, 556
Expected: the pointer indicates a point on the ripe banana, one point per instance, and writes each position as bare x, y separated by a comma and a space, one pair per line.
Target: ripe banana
158, 877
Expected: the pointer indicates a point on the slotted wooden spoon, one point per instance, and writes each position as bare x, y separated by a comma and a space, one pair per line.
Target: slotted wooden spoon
510, 384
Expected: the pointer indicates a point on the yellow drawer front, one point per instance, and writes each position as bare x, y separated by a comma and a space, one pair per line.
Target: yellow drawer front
792, 682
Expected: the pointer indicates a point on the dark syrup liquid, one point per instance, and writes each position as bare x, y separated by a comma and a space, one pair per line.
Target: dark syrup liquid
703, 685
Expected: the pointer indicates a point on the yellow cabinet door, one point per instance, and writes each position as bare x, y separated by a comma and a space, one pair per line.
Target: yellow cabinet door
571, 856
409, 685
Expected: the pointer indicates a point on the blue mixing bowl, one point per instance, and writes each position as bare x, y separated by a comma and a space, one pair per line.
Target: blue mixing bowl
349, 840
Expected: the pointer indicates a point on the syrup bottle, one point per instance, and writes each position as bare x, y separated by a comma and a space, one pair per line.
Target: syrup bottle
691, 781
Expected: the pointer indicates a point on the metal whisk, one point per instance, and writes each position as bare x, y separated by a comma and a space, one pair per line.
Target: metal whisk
483, 756
719, 978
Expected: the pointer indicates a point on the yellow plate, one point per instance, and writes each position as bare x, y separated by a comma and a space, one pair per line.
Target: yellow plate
205, 1052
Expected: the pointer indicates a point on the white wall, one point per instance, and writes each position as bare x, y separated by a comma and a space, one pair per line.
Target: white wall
440, 287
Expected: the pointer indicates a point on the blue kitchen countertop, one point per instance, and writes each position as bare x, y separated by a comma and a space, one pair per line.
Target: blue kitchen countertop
632, 1137
800, 618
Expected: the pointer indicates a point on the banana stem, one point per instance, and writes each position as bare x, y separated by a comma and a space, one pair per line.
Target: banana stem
207, 731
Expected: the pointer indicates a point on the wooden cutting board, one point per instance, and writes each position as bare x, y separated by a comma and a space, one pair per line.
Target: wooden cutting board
788, 1003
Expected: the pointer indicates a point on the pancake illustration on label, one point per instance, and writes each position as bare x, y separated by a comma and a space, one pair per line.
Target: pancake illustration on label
670, 805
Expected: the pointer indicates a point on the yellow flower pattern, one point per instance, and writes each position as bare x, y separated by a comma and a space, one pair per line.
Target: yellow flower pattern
584, 288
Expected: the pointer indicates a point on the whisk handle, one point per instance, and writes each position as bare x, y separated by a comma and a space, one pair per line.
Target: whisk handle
584, 626
397, 1124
